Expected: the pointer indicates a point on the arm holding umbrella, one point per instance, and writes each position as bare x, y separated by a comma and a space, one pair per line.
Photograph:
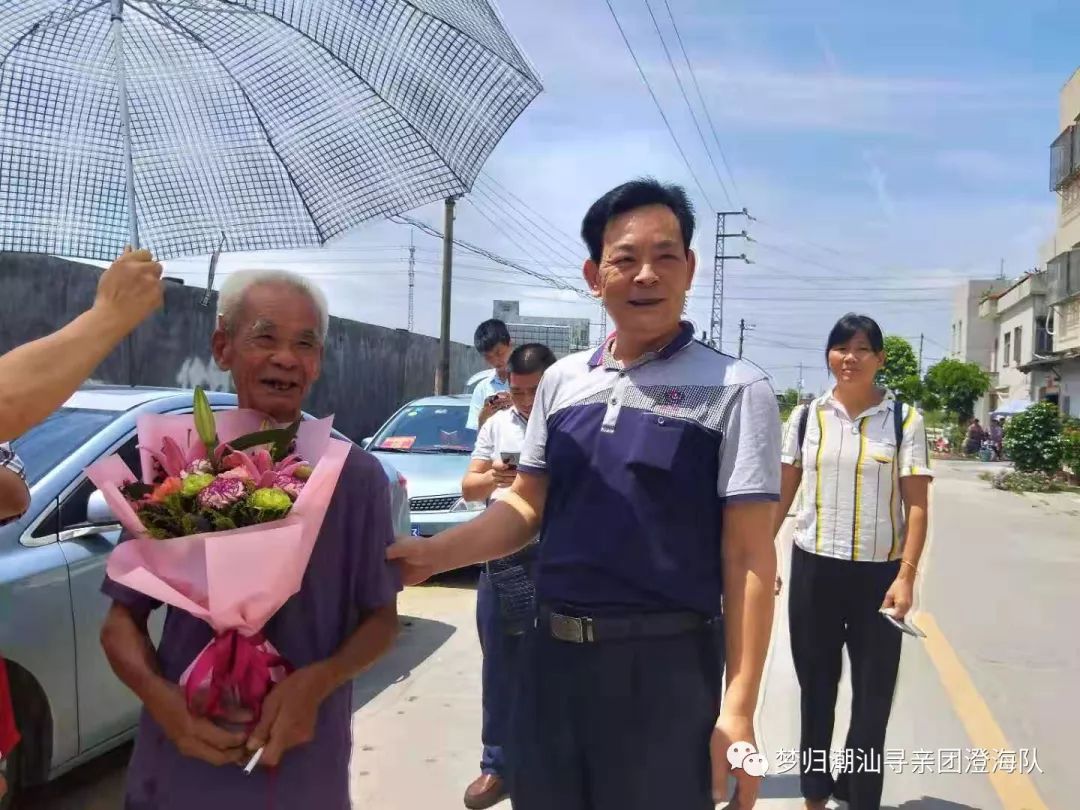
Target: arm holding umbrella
37, 377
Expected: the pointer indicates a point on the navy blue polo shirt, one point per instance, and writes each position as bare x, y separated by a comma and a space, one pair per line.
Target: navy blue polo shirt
641, 460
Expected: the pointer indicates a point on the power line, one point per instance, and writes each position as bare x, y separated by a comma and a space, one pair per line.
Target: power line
554, 279
572, 243
659, 108
701, 98
689, 106
529, 235
487, 254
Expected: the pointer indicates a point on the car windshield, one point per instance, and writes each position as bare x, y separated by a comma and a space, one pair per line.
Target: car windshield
427, 429
45, 445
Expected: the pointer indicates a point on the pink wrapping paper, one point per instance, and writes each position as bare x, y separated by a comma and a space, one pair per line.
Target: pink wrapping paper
234, 580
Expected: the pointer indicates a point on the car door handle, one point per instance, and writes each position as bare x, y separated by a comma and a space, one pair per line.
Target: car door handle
88, 531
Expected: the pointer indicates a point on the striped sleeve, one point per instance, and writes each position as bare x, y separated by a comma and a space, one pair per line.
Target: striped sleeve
914, 448
12, 463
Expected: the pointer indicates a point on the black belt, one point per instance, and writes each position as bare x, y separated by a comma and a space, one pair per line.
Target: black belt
591, 629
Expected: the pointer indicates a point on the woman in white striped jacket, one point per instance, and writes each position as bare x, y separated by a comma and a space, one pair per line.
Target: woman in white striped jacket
863, 460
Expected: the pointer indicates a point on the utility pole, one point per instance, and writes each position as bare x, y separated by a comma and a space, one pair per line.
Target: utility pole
922, 337
1001, 271
442, 376
603, 321
412, 278
798, 382
716, 319
743, 328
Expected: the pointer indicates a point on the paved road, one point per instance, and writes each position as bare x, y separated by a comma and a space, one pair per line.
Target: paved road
998, 671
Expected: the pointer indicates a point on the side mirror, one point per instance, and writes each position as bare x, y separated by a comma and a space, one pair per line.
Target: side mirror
365, 443
98, 511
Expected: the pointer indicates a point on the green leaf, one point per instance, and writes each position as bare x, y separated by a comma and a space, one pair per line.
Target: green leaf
280, 439
204, 422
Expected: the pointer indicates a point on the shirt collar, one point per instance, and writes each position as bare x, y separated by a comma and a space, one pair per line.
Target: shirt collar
886, 403
604, 356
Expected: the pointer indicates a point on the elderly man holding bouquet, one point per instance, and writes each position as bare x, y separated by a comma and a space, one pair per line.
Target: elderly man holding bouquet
343, 616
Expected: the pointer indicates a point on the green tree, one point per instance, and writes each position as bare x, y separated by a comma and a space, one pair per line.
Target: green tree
955, 386
1033, 439
900, 363
901, 371
789, 399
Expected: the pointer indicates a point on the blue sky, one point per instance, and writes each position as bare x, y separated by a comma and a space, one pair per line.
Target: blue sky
886, 150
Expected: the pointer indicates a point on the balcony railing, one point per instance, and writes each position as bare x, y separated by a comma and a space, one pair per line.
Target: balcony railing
1064, 157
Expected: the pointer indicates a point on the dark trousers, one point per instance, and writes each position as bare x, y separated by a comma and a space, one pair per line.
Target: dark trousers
499, 674
833, 603
616, 725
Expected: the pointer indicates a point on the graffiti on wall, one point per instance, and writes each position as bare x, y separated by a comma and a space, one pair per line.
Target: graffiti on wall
197, 371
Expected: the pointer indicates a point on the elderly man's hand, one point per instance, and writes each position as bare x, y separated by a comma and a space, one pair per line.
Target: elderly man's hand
289, 714
193, 736
131, 289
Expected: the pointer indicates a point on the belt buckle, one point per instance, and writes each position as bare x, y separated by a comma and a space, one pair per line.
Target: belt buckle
570, 628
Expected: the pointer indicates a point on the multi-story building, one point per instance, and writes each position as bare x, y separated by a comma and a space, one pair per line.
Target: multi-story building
972, 337
1057, 369
563, 335
1018, 318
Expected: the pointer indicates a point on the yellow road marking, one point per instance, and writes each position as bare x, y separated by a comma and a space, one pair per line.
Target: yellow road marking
1016, 790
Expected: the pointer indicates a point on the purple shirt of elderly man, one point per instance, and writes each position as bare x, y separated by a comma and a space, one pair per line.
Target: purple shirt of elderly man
270, 335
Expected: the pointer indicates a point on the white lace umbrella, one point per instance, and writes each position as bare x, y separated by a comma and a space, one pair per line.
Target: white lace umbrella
269, 123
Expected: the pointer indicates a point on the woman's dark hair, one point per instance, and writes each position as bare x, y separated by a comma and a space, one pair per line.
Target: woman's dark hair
489, 334
629, 197
850, 325
530, 358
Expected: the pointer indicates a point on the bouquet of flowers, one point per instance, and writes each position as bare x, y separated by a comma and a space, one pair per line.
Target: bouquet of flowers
224, 517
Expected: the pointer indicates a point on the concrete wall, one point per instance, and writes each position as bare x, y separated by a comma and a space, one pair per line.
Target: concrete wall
973, 337
1067, 236
1013, 383
368, 371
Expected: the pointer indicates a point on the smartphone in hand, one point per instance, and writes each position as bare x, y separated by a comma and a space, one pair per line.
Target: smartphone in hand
903, 625
510, 459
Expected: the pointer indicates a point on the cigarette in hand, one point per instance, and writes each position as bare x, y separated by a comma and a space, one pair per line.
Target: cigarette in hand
253, 762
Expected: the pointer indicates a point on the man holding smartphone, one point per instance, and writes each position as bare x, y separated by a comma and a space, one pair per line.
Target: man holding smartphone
491, 395
504, 592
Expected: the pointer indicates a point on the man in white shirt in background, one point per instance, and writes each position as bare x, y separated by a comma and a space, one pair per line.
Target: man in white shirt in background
492, 340
504, 592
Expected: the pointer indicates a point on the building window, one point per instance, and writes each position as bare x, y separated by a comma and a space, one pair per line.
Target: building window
1007, 353
1044, 341
994, 357
1063, 163
1016, 345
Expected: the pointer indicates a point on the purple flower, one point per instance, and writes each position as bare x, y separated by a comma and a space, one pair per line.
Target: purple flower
222, 493
288, 484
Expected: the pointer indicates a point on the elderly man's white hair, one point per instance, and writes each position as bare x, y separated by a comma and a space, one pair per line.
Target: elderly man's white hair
231, 296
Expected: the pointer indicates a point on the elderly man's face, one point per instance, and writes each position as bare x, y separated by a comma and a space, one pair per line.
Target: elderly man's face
274, 351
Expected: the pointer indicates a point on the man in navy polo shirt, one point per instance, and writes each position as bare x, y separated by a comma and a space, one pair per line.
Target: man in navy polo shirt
651, 466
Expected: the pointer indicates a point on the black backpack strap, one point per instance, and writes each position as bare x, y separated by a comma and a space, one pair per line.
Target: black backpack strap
898, 425
804, 418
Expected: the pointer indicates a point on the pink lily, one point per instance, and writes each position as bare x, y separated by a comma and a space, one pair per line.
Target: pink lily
260, 464
173, 458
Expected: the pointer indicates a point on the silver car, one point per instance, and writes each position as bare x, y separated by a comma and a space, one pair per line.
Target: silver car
69, 705
428, 442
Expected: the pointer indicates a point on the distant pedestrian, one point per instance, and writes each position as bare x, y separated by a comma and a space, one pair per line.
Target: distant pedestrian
504, 604
859, 536
651, 470
491, 395
975, 437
